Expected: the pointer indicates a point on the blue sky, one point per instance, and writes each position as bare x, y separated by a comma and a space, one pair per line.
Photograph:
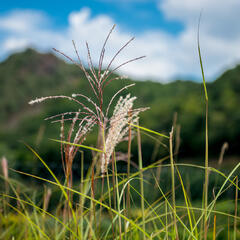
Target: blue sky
165, 31
132, 15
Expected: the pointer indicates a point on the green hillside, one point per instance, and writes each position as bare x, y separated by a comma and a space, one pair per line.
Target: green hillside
25, 76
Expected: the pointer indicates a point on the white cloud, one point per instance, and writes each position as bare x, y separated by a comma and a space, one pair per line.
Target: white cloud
219, 31
220, 18
13, 44
20, 21
168, 56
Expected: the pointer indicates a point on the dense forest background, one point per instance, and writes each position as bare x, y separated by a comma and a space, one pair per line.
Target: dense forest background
27, 75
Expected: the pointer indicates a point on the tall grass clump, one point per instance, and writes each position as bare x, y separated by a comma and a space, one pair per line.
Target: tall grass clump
205, 192
143, 202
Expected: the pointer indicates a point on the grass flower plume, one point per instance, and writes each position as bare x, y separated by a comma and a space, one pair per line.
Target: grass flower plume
91, 111
119, 124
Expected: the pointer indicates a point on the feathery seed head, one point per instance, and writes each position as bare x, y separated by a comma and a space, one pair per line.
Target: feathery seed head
119, 125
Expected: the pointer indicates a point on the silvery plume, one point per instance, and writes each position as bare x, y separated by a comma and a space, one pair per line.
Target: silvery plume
91, 111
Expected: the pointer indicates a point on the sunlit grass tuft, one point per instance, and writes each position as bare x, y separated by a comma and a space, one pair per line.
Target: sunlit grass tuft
106, 203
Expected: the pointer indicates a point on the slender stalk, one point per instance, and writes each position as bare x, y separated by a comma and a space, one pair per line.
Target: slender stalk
206, 136
236, 212
100, 208
110, 201
206, 176
202, 222
141, 178
92, 220
128, 209
81, 198
173, 183
118, 198
166, 212
128, 169
101, 145
114, 191
214, 218
91, 209
214, 227
93, 196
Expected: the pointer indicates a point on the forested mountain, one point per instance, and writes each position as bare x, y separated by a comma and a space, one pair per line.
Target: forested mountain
27, 75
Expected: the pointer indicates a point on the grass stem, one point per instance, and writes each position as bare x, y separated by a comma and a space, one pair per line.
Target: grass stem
206, 135
141, 178
236, 211
173, 184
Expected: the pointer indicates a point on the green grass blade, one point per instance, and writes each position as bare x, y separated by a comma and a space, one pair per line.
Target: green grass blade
90, 198
200, 59
186, 199
43, 211
148, 130
78, 145
170, 206
57, 181
29, 220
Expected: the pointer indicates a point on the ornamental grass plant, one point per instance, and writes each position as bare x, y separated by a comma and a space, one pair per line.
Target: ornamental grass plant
106, 203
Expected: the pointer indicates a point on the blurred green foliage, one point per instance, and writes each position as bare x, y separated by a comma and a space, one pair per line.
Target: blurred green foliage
25, 76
